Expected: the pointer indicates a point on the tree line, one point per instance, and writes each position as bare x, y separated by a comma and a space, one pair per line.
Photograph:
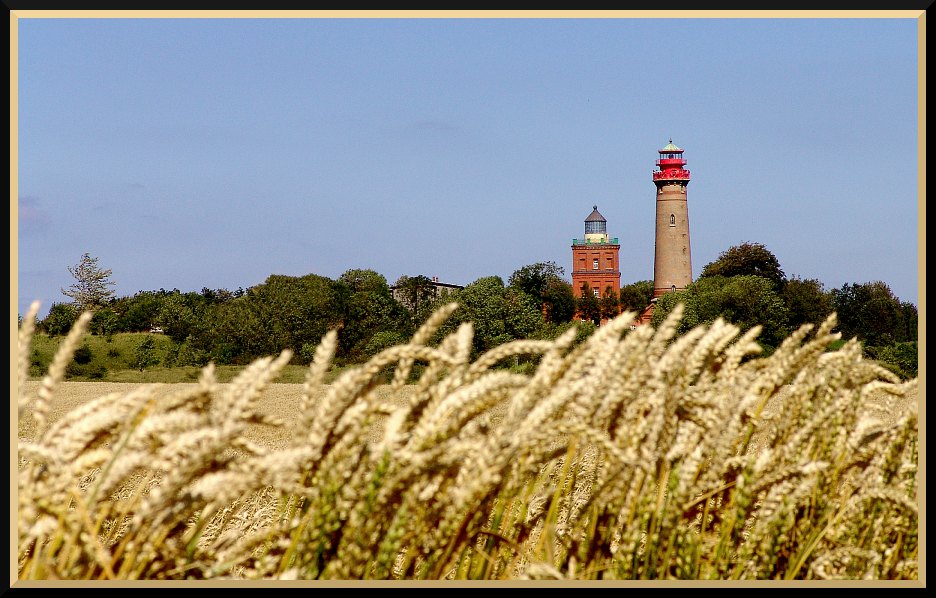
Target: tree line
745, 285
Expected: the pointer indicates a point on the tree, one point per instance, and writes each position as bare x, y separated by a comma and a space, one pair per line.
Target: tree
589, 308
145, 354
869, 311
747, 259
544, 282
497, 313
104, 323
907, 323
293, 311
610, 304
364, 280
807, 301
745, 301
636, 296
559, 301
415, 292
533, 279
90, 290
61, 318
138, 313
369, 310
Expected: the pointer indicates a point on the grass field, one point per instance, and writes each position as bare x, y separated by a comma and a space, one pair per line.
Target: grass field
111, 360
635, 455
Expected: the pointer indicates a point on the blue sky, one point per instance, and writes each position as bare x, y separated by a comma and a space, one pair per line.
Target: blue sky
190, 153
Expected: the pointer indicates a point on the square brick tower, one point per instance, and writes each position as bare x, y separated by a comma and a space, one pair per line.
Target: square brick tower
595, 259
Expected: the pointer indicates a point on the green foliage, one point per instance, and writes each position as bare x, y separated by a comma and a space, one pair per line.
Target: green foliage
610, 304
138, 313
285, 312
544, 283
181, 314
415, 292
636, 295
871, 312
589, 306
382, 340
89, 371
307, 352
534, 278
498, 313
369, 310
145, 354
186, 355
807, 301
550, 331
61, 318
747, 259
559, 300
364, 280
83, 355
745, 301
104, 322
900, 358
102, 359
90, 290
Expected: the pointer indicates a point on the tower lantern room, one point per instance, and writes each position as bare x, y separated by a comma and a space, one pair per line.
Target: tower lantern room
596, 227
671, 164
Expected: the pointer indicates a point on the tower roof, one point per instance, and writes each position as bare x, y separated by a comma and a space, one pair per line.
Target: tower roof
670, 147
595, 216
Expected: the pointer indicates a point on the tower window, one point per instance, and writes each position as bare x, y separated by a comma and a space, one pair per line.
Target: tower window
595, 264
596, 227
595, 292
672, 219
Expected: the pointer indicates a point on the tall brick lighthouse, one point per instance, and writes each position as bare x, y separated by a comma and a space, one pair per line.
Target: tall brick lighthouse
672, 265
595, 259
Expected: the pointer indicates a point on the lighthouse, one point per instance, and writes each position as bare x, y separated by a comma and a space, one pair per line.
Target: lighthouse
672, 264
596, 266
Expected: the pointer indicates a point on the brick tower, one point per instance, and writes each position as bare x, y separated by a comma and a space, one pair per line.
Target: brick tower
672, 266
595, 259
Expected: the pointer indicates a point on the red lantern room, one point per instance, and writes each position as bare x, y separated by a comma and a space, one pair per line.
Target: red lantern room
671, 164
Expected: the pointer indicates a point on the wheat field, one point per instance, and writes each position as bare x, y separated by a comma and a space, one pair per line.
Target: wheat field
635, 455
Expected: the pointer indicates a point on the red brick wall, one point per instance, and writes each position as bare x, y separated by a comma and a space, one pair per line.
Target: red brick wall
607, 274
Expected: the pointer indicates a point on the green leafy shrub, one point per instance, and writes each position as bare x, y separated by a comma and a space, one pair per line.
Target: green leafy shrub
83, 355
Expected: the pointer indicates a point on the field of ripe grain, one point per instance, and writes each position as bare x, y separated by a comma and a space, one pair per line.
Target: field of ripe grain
632, 455
282, 401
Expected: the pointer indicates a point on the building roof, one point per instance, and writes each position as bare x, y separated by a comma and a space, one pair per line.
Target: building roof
595, 216
670, 147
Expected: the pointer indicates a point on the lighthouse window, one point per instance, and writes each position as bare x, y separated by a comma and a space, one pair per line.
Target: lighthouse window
595, 264
672, 219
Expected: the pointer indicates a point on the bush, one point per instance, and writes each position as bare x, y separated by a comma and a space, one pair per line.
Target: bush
382, 340
83, 355
62, 316
900, 358
145, 354
307, 353
92, 371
